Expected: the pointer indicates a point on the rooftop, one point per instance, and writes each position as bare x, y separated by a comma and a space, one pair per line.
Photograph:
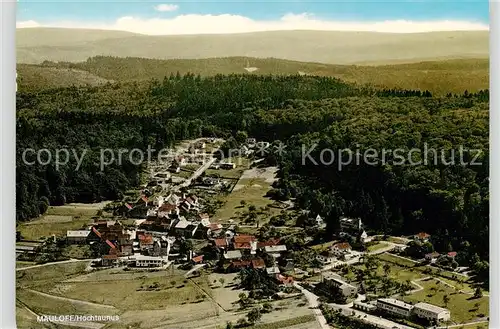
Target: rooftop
273, 270
272, 249
342, 246
77, 234
244, 238
431, 308
396, 302
232, 254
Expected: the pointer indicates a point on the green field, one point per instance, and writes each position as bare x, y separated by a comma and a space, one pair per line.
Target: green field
377, 246
460, 305
58, 220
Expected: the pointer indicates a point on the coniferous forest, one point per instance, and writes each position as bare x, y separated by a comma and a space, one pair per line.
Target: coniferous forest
446, 200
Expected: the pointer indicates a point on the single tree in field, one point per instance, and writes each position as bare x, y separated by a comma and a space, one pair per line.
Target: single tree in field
254, 315
243, 203
387, 269
446, 300
221, 280
478, 293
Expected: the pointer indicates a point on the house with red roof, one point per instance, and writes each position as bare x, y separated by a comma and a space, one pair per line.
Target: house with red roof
258, 264
341, 249
422, 236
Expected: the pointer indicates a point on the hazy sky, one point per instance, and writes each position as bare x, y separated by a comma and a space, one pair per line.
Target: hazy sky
185, 17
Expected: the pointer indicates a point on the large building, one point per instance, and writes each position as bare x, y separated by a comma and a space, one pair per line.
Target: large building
347, 290
431, 312
395, 307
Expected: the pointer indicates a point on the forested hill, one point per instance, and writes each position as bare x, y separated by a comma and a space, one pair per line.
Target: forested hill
440, 77
449, 200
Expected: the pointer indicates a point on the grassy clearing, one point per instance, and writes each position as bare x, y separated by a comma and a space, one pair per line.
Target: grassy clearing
143, 293
395, 260
48, 276
47, 305
36, 231
73, 210
461, 306
253, 192
397, 240
377, 246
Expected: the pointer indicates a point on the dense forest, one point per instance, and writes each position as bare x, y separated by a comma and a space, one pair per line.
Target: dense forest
448, 200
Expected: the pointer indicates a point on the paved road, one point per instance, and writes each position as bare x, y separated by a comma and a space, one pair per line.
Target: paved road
314, 304
198, 172
195, 268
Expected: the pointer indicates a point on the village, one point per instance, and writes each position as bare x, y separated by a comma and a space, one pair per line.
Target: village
198, 215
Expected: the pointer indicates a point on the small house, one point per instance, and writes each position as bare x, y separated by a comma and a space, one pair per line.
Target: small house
227, 165
77, 237
109, 260
422, 237
341, 249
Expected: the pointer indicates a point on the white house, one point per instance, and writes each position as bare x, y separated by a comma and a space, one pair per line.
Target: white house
341, 249
319, 221
431, 312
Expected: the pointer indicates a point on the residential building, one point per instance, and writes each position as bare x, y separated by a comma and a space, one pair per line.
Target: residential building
185, 228
363, 236
351, 223
422, 237
284, 280
341, 249
145, 261
331, 280
326, 258
395, 307
275, 251
109, 260
258, 264
364, 306
227, 165
431, 312
77, 237
232, 254
319, 221
273, 270
432, 257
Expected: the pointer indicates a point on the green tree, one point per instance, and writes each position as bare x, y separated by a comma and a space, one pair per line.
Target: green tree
254, 316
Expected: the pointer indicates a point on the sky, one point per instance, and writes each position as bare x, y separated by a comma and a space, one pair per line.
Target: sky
200, 17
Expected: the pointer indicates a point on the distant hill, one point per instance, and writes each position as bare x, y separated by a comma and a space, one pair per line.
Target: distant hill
34, 45
35, 77
440, 77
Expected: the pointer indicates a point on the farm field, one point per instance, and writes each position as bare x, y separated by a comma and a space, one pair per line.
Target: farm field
145, 299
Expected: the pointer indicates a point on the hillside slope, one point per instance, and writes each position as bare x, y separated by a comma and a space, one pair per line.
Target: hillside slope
439, 77
34, 45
